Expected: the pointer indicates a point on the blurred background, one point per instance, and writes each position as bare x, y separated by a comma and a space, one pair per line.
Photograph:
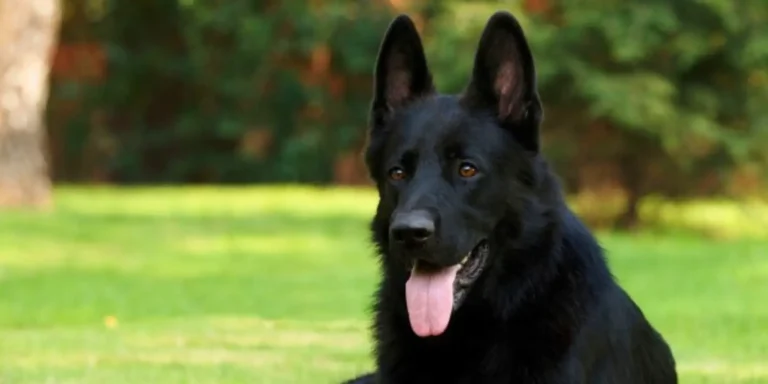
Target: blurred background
182, 196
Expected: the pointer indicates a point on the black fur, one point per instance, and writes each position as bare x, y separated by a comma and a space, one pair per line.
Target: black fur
546, 308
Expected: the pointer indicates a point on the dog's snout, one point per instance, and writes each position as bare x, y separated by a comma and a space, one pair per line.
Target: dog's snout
412, 228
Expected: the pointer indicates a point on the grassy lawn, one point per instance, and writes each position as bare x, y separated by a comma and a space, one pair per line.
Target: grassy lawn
272, 285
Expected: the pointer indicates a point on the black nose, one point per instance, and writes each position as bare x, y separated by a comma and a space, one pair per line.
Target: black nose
412, 228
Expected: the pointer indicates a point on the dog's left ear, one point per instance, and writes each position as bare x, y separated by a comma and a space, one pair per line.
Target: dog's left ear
504, 80
401, 74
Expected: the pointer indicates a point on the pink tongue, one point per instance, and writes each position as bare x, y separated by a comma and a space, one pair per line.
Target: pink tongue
429, 296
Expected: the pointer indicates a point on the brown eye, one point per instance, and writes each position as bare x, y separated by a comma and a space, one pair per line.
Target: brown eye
396, 174
467, 170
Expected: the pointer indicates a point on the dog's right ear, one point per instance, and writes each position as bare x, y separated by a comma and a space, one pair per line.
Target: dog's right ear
401, 74
504, 79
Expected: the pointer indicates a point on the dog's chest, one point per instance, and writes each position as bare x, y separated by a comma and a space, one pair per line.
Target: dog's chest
467, 353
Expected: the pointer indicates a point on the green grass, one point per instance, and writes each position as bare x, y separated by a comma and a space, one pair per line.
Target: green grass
272, 285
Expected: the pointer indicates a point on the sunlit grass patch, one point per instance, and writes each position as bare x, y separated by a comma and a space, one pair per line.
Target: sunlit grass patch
280, 350
724, 372
273, 285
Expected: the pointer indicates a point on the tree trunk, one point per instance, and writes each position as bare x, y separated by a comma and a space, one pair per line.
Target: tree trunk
630, 218
631, 175
28, 34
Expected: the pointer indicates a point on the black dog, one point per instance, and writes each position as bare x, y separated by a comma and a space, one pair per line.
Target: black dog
488, 277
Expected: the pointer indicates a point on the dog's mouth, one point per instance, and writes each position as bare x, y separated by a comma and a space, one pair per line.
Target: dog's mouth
433, 292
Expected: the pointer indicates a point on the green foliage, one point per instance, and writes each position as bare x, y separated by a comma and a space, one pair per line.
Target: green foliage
672, 69
690, 75
189, 79
678, 86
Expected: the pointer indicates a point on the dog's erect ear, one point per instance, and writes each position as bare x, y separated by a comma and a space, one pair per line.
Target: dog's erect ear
401, 73
504, 79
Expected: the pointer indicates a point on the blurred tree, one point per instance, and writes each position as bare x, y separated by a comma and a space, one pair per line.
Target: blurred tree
660, 97
236, 91
28, 32
642, 97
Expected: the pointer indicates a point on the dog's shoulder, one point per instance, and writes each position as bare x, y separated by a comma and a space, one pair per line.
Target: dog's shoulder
613, 330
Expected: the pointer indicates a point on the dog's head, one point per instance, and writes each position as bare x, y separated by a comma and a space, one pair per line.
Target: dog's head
448, 168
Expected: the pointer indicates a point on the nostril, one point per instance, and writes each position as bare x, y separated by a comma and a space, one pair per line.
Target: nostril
411, 235
420, 234
415, 227
397, 235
